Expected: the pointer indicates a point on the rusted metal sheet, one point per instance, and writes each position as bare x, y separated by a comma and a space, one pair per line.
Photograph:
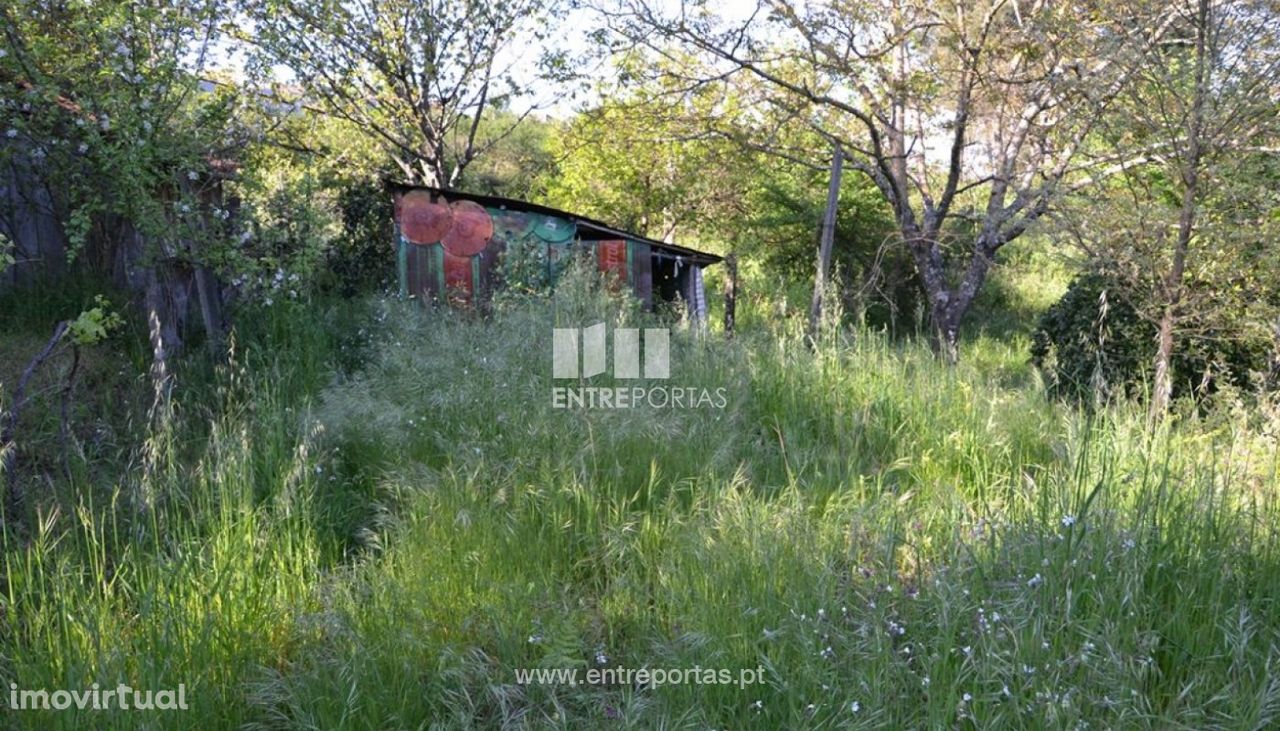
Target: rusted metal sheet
611, 259
460, 248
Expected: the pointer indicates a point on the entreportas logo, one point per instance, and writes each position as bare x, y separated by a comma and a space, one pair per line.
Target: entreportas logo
581, 353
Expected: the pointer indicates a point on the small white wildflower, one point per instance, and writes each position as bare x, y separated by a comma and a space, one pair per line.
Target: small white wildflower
925, 681
1068, 521
193, 175
828, 653
967, 697
83, 148
967, 650
602, 659
3, 53
184, 208
1129, 544
1035, 581
267, 301
855, 707
535, 639
11, 133
758, 706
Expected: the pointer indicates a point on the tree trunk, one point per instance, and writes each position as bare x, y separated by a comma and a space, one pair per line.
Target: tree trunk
1162, 390
949, 305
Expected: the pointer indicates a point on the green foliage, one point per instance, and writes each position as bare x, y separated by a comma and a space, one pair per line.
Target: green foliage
653, 161
111, 113
639, 165
94, 324
877, 279
359, 261
1095, 343
520, 157
315, 214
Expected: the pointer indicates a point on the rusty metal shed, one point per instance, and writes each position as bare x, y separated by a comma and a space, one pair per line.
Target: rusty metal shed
459, 247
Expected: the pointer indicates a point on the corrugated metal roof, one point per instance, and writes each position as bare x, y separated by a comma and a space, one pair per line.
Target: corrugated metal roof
701, 258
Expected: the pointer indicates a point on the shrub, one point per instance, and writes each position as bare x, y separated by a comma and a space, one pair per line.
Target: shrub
1097, 341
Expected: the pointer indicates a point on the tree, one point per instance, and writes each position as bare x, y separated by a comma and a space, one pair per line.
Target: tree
969, 119
649, 165
1186, 241
660, 158
106, 107
419, 75
1206, 100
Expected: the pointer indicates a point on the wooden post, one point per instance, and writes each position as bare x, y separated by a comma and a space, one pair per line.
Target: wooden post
209, 296
826, 240
730, 292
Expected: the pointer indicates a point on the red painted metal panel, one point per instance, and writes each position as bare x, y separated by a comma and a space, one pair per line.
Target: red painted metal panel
457, 276
611, 258
423, 219
471, 230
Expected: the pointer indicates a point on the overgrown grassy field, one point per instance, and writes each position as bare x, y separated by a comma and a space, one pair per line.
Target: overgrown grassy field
372, 517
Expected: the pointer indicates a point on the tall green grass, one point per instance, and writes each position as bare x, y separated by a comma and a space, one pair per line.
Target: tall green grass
898, 543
